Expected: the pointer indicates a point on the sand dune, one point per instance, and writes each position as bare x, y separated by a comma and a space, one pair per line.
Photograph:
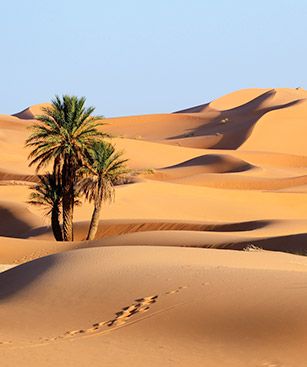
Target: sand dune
127, 300
244, 97
288, 126
16, 219
228, 174
32, 111
188, 130
223, 124
209, 163
213, 163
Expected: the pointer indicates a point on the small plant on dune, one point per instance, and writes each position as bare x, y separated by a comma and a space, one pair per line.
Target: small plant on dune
148, 171
251, 248
189, 135
105, 166
63, 136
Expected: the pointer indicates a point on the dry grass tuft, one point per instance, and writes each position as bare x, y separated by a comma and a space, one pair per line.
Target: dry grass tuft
252, 247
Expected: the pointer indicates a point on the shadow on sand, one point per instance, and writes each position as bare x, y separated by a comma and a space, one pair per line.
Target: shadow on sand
17, 279
234, 125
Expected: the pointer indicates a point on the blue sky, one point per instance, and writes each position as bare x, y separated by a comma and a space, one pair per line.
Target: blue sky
134, 57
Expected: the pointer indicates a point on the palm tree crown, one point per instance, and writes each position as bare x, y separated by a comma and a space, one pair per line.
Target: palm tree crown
65, 129
105, 166
47, 193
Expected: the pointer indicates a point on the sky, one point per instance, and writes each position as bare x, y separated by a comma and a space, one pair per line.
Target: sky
133, 57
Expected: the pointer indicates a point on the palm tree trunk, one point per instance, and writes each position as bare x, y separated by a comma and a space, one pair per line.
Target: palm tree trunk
55, 224
68, 199
67, 222
95, 218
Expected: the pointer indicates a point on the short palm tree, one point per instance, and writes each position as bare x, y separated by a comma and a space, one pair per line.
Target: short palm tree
48, 194
105, 167
64, 135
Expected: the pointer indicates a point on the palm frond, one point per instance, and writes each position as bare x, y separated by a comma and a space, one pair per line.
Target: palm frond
104, 166
47, 193
66, 127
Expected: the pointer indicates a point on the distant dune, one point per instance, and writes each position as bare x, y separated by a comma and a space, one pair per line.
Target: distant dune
164, 282
32, 111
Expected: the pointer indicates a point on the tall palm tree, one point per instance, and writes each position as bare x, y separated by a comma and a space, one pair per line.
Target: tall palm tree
105, 167
48, 194
64, 135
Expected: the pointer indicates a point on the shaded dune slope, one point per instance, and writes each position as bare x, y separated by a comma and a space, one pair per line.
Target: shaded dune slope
16, 219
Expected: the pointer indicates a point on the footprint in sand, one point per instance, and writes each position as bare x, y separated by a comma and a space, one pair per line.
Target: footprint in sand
140, 305
175, 290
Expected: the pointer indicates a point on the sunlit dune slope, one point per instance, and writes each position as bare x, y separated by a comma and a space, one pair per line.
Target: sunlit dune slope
280, 131
244, 97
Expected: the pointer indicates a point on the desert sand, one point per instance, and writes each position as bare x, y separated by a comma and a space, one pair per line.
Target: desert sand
166, 281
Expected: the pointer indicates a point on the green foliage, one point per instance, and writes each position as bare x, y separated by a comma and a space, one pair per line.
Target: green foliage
104, 167
47, 193
66, 128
